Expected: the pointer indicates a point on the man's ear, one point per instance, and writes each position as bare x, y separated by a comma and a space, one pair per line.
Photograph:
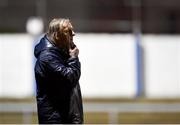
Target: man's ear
56, 36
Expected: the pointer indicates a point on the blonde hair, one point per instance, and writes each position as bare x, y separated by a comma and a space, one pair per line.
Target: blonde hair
57, 26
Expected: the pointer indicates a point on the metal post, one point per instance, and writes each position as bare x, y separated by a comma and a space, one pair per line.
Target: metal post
136, 25
41, 6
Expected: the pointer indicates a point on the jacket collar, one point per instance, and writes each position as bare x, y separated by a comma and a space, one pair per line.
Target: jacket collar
46, 43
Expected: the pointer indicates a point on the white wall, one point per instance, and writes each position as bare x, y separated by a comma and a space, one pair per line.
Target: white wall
162, 66
16, 65
108, 65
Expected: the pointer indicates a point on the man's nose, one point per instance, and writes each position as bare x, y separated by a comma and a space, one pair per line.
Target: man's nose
73, 33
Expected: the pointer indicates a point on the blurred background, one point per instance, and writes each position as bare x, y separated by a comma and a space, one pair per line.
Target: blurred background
129, 52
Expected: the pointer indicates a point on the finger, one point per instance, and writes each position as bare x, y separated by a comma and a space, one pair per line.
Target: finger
72, 50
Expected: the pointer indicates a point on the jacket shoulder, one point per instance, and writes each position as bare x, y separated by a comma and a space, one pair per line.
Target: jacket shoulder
49, 54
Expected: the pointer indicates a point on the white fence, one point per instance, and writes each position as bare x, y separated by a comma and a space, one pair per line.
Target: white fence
108, 65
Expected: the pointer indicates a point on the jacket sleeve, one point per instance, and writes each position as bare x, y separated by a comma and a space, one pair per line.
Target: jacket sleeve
71, 71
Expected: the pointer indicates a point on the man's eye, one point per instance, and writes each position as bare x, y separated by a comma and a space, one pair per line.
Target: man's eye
70, 32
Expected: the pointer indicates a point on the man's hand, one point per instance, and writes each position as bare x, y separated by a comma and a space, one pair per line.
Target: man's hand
74, 52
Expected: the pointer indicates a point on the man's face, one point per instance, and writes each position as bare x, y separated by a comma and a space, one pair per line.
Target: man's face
69, 33
66, 35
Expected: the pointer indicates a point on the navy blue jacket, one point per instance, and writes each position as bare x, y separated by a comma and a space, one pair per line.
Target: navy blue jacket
58, 92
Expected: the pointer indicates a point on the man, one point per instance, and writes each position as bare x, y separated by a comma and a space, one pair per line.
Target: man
57, 72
